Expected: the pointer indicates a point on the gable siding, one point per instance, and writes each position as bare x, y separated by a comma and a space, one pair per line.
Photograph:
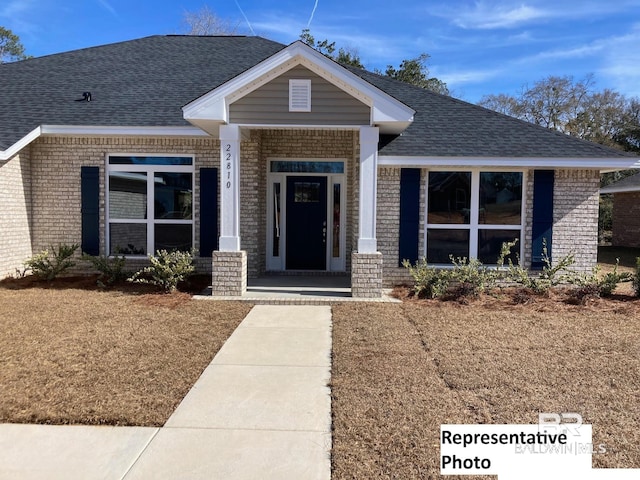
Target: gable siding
270, 104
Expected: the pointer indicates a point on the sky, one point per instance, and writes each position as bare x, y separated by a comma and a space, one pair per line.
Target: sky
477, 47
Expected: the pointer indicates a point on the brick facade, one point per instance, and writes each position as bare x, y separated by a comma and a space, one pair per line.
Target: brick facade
15, 213
55, 169
626, 219
575, 218
40, 196
229, 274
366, 275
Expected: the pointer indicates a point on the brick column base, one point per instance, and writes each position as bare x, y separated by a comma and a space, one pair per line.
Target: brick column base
366, 275
229, 274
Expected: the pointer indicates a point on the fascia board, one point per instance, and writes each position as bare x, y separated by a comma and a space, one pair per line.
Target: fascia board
519, 162
186, 131
14, 149
619, 189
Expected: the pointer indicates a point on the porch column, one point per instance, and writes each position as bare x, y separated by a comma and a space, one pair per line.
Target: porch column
229, 262
369, 137
366, 263
229, 188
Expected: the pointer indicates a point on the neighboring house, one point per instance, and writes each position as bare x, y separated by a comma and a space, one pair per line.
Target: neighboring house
272, 158
626, 211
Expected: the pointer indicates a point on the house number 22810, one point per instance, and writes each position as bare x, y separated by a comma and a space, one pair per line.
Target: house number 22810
227, 166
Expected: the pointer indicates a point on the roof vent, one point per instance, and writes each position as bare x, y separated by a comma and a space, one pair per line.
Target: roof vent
299, 95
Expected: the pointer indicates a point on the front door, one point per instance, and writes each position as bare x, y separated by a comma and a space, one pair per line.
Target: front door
306, 223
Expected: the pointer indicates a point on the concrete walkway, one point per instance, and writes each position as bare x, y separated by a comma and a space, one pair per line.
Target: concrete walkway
260, 410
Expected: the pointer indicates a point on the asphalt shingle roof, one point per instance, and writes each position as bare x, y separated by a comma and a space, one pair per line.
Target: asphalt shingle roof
146, 82
632, 183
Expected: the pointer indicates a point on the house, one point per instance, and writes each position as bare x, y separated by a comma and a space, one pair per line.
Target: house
268, 158
626, 211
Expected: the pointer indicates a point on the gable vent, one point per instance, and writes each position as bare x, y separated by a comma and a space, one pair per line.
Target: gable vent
299, 95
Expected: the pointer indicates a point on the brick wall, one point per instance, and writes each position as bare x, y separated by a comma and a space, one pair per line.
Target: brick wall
575, 217
55, 169
388, 224
15, 212
626, 219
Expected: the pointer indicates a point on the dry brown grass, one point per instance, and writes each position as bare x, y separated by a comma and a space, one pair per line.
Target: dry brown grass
70, 355
400, 371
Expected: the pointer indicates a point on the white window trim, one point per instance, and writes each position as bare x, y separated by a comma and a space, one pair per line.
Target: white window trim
150, 221
474, 226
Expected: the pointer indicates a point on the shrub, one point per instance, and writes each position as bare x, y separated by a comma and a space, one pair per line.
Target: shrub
594, 285
111, 269
550, 276
167, 269
471, 277
427, 281
48, 264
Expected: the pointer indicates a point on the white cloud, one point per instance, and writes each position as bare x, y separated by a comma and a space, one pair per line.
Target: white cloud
491, 15
504, 14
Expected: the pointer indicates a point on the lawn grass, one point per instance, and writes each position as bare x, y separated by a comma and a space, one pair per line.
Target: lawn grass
80, 355
400, 371
607, 255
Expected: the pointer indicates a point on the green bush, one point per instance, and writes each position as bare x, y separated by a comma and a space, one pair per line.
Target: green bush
428, 281
111, 269
470, 277
48, 264
167, 269
594, 285
550, 276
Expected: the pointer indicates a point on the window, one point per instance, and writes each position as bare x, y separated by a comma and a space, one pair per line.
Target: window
150, 204
471, 214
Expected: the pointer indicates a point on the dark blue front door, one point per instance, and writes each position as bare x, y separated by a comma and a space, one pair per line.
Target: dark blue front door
306, 223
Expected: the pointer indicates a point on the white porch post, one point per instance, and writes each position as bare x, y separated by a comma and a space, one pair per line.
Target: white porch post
229, 265
366, 263
369, 137
229, 188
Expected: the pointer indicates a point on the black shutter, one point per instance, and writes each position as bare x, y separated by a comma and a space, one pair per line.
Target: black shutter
542, 227
208, 211
409, 214
90, 209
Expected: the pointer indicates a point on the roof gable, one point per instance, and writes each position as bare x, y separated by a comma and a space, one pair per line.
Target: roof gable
212, 109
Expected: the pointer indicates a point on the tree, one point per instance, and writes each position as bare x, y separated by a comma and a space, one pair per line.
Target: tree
206, 22
10, 47
572, 107
412, 71
348, 57
415, 72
